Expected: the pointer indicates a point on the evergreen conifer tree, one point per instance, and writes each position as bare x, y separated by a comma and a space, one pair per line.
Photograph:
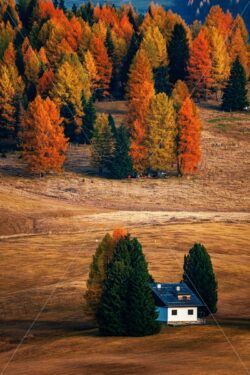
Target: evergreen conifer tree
199, 276
109, 45
178, 53
62, 6
88, 121
112, 124
235, 92
74, 8
127, 306
141, 313
161, 78
121, 166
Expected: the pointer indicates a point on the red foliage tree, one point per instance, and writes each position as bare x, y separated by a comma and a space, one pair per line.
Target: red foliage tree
200, 66
103, 65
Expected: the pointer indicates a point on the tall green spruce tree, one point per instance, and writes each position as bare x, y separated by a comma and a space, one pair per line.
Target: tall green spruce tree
112, 124
199, 276
178, 53
161, 79
141, 311
127, 306
88, 120
121, 166
98, 272
62, 6
235, 92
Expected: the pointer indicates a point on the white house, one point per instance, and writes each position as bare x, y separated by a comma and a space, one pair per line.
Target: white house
176, 304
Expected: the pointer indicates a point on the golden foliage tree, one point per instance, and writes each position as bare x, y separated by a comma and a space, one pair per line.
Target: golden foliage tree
220, 59
102, 145
161, 133
189, 135
154, 46
11, 91
42, 137
70, 84
90, 66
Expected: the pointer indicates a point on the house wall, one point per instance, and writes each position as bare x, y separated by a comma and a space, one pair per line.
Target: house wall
182, 314
162, 314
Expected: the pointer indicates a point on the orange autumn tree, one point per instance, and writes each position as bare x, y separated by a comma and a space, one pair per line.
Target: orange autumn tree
179, 94
118, 233
199, 67
103, 65
42, 137
45, 83
220, 20
140, 93
239, 48
189, 129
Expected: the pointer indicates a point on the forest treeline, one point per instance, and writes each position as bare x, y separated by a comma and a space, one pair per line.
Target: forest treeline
55, 63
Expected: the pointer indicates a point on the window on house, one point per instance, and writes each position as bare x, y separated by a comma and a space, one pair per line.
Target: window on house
191, 312
174, 312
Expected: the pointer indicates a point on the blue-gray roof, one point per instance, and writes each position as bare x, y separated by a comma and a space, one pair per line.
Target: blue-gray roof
167, 295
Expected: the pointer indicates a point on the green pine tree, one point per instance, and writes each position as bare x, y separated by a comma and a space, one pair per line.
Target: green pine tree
62, 6
235, 92
121, 166
97, 273
109, 45
111, 316
141, 313
127, 306
199, 276
178, 53
88, 120
112, 124
102, 145
161, 79
74, 9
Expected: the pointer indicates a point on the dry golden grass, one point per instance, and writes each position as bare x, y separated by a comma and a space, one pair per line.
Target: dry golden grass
50, 228
36, 266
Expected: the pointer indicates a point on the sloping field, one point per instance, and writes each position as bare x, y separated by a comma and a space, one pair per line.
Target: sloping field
44, 277
50, 227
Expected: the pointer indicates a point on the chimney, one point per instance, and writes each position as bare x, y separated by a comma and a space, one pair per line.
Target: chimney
178, 288
158, 286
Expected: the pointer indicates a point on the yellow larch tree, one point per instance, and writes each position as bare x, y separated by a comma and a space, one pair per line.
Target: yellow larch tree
90, 66
161, 134
220, 59
154, 46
